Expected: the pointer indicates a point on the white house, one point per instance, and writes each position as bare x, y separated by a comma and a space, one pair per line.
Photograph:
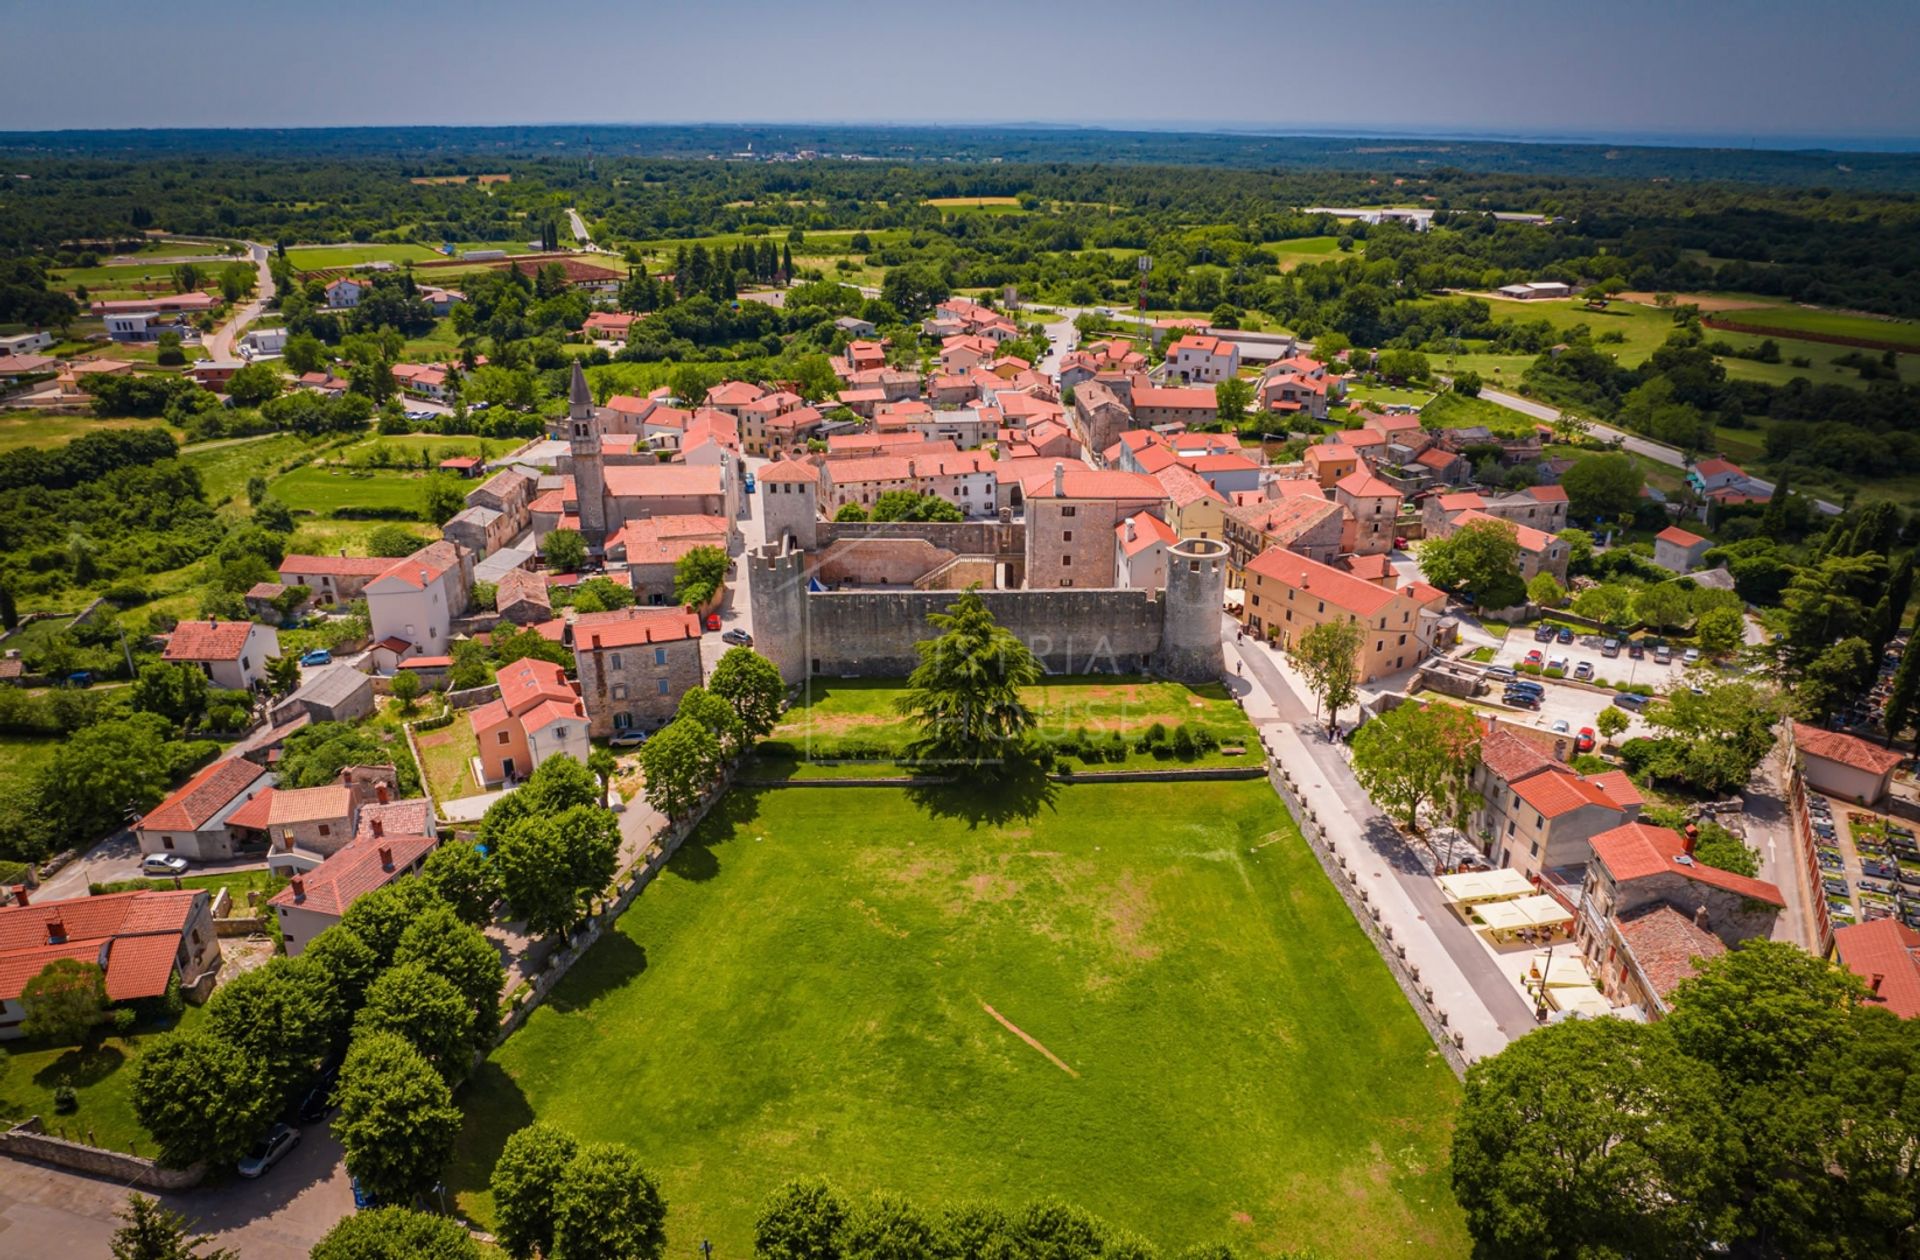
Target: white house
25, 343
232, 654
1845, 765
1199, 358
415, 601
192, 822
346, 292
263, 341
1140, 552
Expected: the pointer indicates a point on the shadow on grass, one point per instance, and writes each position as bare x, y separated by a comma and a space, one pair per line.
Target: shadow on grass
81, 1066
1018, 791
496, 1110
610, 965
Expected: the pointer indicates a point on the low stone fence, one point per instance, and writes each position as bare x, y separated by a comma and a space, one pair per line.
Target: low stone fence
241, 925
472, 697
1359, 901
30, 1140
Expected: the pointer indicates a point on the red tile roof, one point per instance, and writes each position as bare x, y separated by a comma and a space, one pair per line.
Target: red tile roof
1556, 792
203, 796
134, 935
1714, 467
424, 567
652, 481
1512, 758
1173, 396
1890, 950
1082, 482
1362, 484
631, 627
352, 873
1148, 529
1546, 494
1679, 537
1618, 787
1665, 943
1848, 750
207, 641
333, 566
660, 539
1640, 850
1341, 589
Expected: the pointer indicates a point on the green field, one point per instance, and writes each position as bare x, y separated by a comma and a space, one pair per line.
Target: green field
806, 990
21, 756
1821, 367
836, 719
1791, 319
322, 257
100, 1073
225, 466
1457, 411
324, 489
1307, 249
48, 431
446, 758
406, 447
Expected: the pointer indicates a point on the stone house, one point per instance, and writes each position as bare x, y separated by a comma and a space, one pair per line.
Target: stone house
634, 665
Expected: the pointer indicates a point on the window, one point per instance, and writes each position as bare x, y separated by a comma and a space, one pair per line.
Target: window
621, 721
1066, 562
503, 737
663, 686
166, 842
1066, 511
1539, 821
1256, 601
1509, 826
659, 656
325, 830
1403, 641
613, 661
1066, 535
619, 691
1066, 581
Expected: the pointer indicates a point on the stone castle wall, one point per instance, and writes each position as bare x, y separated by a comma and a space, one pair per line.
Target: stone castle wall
871, 634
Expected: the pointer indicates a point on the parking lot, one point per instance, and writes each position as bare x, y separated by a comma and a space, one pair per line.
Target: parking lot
1585, 649
1869, 863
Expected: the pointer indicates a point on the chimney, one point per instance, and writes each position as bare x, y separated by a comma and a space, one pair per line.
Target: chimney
1129, 529
19, 894
386, 857
1060, 481
596, 641
379, 828
56, 930
299, 887
343, 553
380, 793
1692, 837
1874, 982
1700, 918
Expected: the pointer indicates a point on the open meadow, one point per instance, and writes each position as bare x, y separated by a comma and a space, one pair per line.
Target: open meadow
962, 993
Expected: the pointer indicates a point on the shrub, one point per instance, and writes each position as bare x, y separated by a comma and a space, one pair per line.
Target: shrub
1183, 742
1116, 747
1555, 672
65, 1100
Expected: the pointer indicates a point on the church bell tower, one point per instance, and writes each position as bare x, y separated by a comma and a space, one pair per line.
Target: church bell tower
589, 472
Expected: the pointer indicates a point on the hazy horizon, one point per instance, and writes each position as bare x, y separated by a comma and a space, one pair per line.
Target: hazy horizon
1756, 73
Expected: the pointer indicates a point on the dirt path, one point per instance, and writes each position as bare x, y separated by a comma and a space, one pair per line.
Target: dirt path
1021, 1033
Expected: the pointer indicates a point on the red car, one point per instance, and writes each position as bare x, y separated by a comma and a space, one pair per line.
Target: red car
1534, 657
1583, 742
713, 621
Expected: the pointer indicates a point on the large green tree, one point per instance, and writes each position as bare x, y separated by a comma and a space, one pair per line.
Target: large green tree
1593, 1138
551, 866
606, 1205
964, 695
801, 1220
698, 575
1482, 557
679, 763
151, 1232
1329, 655
202, 1098
435, 1018
751, 684
283, 1015
556, 784
465, 878
396, 1233
1603, 486
397, 1122
456, 950
64, 1002
1713, 740
1419, 756
1757, 1013
523, 1182
382, 917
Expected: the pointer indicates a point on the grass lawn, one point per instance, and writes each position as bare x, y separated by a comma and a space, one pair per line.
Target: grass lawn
851, 718
1307, 249
327, 488
1457, 411
1388, 395
225, 466
405, 448
321, 257
446, 758
958, 203
33, 428
1225, 1056
1792, 319
102, 1076
1821, 368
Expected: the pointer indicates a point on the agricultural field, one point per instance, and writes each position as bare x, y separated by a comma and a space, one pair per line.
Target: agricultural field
978, 994
971, 203
1803, 319
857, 720
1308, 249
1456, 411
325, 489
1821, 356
226, 465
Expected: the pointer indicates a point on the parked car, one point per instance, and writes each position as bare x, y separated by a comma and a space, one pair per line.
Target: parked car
747, 483
627, 739
1662, 655
1522, 699
1610, 647
1560, 726
1630, 702
1543, 633
1557, 662
1583, 671
1566, 634
737, 636
1584, 741
269, 1150
1635, 649
319, 656
317, 1103
1690, 657
1534, 657
163, 864
713, 621
1527, 685
1500, 671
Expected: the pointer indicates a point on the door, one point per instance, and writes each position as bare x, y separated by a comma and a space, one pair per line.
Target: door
506, 767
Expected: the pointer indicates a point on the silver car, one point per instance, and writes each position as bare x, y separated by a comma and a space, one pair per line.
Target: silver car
163, 864
269, 1150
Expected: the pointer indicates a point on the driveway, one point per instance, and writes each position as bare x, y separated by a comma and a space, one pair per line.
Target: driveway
118, 857
52, 1214
219, 343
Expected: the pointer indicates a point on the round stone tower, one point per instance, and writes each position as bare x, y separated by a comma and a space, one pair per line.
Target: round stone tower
1190, 610
777, 592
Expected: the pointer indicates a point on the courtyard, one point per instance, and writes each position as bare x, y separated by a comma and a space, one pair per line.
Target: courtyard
962, 993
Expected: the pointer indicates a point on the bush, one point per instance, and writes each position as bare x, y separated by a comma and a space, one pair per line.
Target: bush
1638, 753
122, 1019
65, 1101
1116, 747
1184, 746
1553, 671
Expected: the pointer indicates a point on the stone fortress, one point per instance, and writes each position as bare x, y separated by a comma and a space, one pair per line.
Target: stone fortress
806, 630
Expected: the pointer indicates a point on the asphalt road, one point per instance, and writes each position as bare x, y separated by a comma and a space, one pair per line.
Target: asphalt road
219, 343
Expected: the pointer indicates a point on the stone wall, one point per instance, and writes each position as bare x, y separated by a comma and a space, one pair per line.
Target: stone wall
879, 561
29, 1140
872, 634
962, 572
1007, 540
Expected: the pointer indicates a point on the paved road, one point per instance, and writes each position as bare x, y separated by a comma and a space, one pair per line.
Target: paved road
579, 228
1657, 451
51, 1214
219, 343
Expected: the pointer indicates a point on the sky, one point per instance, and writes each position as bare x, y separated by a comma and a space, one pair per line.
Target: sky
1741, 70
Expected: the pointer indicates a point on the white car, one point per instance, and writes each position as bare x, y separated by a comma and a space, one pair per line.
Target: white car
163, 864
